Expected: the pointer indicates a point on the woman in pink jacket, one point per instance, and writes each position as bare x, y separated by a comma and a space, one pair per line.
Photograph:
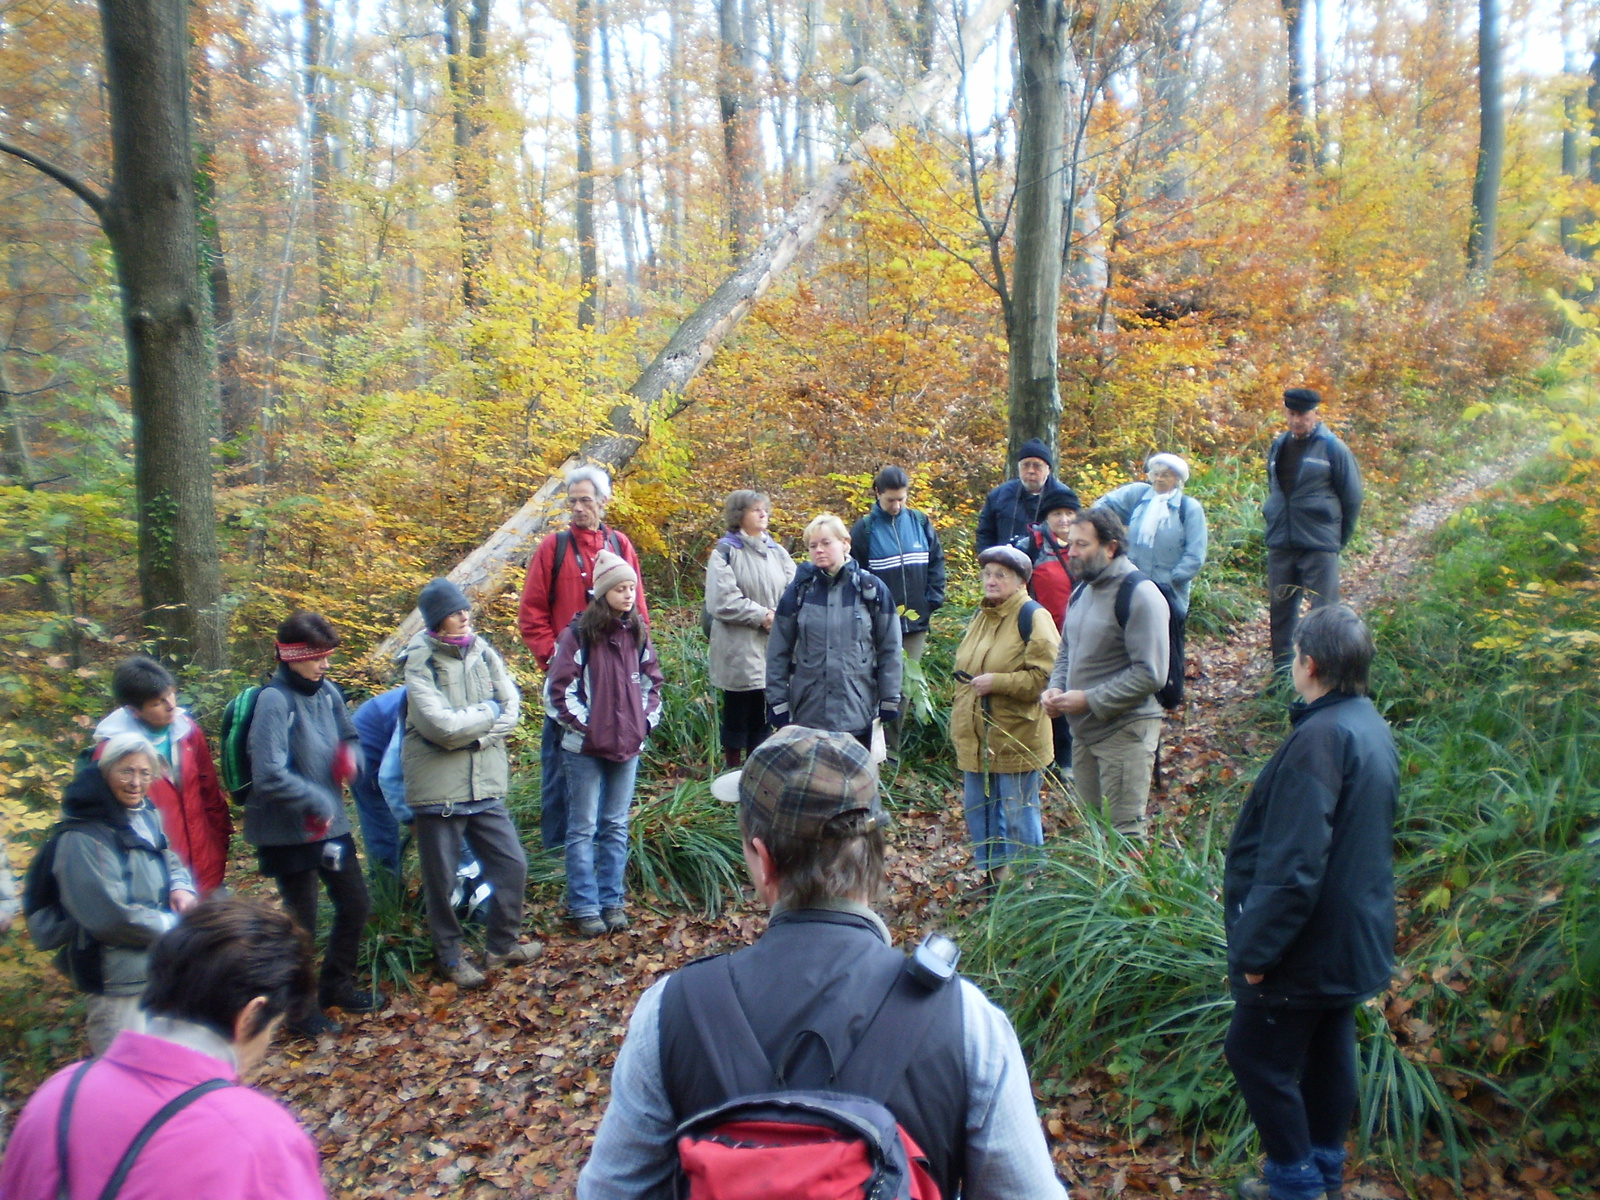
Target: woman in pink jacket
219, 985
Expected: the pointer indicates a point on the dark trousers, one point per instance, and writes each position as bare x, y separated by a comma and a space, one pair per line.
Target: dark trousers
552, 787
351, 907
1061, 735
493, 838
1296, 1069
380, 832
744, 719
1294, 576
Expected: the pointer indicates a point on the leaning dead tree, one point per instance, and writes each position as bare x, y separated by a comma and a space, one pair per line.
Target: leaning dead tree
489, 569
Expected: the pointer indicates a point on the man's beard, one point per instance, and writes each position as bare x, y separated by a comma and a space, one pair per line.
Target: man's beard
1083, 572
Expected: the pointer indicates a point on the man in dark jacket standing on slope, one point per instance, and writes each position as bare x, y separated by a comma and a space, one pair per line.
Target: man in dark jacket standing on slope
1018, 503
1313, 500
556, 590
1308, 895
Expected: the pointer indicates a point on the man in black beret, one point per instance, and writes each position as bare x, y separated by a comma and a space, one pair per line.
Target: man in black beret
1313, 500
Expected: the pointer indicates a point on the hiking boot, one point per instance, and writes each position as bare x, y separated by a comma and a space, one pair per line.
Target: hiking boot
520, 953
590, 926
1253, 1187
615, 918
352, 999
313, 1026
463, 974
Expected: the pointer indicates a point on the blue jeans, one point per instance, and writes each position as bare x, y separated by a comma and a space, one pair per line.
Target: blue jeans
379, 829
1005, 820
599, 795
552, 787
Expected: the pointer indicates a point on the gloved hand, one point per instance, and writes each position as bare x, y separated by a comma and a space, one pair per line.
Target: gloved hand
494, 706
778, 719
345, 766
888, 715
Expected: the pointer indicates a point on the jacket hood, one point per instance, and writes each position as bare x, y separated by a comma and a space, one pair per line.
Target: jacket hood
88, 798
122, 720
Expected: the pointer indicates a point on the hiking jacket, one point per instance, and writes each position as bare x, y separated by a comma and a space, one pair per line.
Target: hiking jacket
116, 888
1010, 733
1179, 550
545, 610
834, 658
233, 1144
1120, 670
903, 551
1009, 510
1308, 889
745, 577
194, 812
968, 1103
1320, 511
1050, 584
606, 695
460, 705
294, 738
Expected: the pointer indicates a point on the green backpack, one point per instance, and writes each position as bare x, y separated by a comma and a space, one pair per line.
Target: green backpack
233, 758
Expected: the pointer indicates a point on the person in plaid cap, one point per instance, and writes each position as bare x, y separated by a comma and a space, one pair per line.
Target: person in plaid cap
813, 831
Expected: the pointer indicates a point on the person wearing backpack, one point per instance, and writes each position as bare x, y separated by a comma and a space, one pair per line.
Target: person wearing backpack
942, 1064
1112, 661
218, 987
745, 578
194, 812
303, 749
107, 884
1001, 734
460, 706
1051, 585
558, 584
834, 658
1167, 536
604, 687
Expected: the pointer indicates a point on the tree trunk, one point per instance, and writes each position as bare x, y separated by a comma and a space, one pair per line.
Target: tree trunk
150, 219
485, 572
1294, 18
237, 414
736, 65
676, 165
1491, 143
468, 92
621, 192
583, 67
1034, 392
1169, 84
323, 221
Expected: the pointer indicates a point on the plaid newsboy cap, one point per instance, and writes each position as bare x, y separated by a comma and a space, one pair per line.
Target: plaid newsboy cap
802, 778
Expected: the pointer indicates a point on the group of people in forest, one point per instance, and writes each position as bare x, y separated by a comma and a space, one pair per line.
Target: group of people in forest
1065, 665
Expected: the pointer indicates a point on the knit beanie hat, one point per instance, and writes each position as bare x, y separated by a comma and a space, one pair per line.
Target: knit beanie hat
1034, 448
609, 570
440, 599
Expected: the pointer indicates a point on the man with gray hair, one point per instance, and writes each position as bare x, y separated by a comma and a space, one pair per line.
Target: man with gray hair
801, 1008
560, 575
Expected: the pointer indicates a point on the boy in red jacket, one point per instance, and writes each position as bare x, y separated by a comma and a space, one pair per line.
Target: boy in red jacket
194, 812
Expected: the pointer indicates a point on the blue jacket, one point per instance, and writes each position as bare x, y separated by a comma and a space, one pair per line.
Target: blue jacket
904, 552
1009, 511
1179, 550
1320, 511
375, 722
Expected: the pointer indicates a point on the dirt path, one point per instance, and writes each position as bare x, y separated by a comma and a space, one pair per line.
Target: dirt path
498, 1092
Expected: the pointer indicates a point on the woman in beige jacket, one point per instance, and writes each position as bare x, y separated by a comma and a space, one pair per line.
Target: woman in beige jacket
1002, 736
745, 579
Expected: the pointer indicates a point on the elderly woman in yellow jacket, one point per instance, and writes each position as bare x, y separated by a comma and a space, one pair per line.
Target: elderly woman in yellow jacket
1002, 735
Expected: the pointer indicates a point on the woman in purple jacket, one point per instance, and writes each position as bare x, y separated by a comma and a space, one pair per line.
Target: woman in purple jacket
604, 687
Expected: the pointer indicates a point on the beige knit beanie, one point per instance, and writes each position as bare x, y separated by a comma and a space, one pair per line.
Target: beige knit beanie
609, 570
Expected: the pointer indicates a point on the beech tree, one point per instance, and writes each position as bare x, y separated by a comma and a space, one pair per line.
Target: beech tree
1491, 143
149, 215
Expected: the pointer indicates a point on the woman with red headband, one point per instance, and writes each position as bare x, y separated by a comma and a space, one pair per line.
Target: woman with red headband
303, 750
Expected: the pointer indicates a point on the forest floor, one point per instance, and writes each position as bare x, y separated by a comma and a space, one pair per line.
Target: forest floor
499, 1091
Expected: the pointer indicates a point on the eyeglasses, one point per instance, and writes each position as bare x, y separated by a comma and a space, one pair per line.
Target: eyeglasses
132, 774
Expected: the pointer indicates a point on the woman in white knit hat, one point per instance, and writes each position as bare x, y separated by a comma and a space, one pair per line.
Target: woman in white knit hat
604, 687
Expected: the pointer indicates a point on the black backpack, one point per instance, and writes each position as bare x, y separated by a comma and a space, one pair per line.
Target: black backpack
1171, 693
80, 956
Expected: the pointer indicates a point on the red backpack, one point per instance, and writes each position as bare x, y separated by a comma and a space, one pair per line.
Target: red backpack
792, 1144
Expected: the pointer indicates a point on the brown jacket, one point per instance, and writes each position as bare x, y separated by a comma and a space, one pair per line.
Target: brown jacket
1018, 732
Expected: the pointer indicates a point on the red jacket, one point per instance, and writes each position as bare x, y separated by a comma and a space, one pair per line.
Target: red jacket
1051, 586
544, 611
194, 814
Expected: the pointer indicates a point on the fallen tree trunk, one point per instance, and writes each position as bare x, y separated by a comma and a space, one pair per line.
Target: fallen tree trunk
493, 566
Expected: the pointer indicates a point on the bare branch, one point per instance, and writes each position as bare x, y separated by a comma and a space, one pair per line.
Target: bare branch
61, 175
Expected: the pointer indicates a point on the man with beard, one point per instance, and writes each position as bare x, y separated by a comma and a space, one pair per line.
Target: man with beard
1112, 662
